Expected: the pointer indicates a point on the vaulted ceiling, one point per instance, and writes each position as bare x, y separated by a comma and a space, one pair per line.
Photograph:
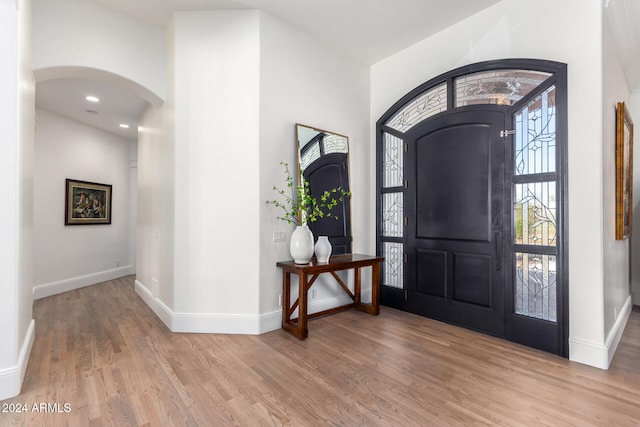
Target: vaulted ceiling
366, 30
362, 29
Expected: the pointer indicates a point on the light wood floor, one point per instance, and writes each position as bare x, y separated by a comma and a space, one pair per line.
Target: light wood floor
103, 352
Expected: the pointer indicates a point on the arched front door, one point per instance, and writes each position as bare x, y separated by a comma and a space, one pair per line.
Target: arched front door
470, 202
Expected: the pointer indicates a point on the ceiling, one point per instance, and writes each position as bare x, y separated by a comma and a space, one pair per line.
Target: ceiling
624, 17
362, 29
67, 97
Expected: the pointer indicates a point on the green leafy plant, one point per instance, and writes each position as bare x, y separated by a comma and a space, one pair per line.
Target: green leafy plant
297, 204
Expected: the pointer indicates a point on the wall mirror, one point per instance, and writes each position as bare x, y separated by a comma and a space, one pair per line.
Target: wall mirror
323, 158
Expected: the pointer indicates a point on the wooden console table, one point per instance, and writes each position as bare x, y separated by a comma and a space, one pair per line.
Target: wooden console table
307, 275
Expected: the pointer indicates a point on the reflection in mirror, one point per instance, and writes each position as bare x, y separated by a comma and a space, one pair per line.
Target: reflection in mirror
323, 158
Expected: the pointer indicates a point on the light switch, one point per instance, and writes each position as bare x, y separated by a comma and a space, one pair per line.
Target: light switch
279, 236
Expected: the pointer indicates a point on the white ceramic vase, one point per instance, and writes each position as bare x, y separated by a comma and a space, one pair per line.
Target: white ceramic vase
301, 245
323, 249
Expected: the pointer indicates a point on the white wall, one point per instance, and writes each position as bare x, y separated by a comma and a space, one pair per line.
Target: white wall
305, 81
213, 119
16, 166
516, 29
634, 107
617, 295
75, 33
133, 201
26, 166
9, 186
239, 89
216, 162
155, 219
69, 257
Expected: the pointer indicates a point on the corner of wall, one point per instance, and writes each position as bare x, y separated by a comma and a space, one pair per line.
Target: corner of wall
596, 354
208, 323
11, 379
163, 312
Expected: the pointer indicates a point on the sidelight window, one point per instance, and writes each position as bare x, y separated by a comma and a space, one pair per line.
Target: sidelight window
535, 208
392, 205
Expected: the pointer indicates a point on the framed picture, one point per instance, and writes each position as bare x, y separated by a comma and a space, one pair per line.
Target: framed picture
624, 172
87, 203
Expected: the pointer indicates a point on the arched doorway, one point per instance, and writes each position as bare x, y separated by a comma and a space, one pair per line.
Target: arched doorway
472, 198
81, 140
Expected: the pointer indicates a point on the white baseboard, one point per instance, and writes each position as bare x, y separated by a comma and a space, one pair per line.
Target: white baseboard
158, 307
226, 323
614, 337
11, 379
209, 322
230, 323
588, 353
48, 289
596, 354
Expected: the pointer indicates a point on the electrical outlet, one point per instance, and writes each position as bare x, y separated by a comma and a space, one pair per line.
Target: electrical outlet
279, 236
615, 313
118, 263
280, 300
314, 293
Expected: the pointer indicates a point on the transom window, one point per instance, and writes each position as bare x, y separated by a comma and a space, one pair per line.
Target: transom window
501, 87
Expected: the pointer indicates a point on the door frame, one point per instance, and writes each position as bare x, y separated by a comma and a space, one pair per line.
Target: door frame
395, 296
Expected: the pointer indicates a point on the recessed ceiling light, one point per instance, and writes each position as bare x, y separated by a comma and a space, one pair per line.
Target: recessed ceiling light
92, 98
124, 126
92, 111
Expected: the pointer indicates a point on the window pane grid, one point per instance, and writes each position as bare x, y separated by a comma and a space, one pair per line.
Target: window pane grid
392, 274
426, 105
392, 214
535, 287
502, 87
535, 137
392, 161
310, 155
534, 212
335, 144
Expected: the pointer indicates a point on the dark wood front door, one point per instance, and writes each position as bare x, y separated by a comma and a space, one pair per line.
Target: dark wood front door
472, 200
456, 219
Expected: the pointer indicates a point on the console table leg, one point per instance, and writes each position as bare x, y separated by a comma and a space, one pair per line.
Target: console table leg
302, 306
375, 288
286, 298
357, 286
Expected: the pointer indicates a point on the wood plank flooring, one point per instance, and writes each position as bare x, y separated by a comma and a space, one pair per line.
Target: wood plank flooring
101, 351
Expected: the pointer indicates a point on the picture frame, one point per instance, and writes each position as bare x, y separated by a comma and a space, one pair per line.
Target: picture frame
87, 203
624, 172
